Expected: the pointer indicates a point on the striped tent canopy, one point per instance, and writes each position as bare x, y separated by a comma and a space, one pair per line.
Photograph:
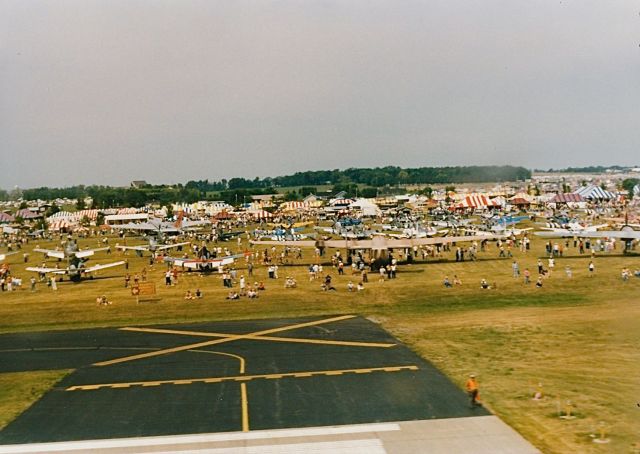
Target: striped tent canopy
294, 206
341, 202
26, 213
260, 214
593, 192
567, 198
5, 217
477, 201
61, 215
61, 223
127, 211
91, 214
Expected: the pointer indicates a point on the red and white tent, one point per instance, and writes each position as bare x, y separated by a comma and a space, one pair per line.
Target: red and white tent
477, 201
260, 214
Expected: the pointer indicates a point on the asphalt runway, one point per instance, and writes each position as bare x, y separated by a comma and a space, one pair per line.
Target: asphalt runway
223, 377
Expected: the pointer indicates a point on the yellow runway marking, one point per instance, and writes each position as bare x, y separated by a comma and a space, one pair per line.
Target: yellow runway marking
242, 378
257, 337
245, 407
220, 341
240, 358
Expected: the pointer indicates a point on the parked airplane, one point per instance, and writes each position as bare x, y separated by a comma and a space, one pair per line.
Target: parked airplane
74, 271
205, 265
153, 246
5, 255
70, 252
159, 227
378, 243
626, 234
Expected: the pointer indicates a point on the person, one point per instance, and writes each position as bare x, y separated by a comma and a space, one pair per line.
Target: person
127, 279
54, 284
484, 284
527, 276
233, 295
360, 286
516, 269
456, 280
103, 301
539, 282
592, 268
33, 283
188, 295
567, 270
350, 286
198, 293
472, 391
446, 282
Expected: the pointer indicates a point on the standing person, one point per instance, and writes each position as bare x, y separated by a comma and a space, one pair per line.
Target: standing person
243, 285
127, 279
54, 284
33, 283
540, 268
516, 269
472, 391
250, 269
527, 276
592, 268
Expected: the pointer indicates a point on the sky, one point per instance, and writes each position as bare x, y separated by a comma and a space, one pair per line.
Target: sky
110, 91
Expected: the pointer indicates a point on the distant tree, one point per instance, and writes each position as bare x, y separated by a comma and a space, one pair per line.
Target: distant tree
85, 221
53, 209
23, 205
80, 205
428, 191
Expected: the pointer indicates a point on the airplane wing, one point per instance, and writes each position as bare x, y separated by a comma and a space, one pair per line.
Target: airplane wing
88, 252
300, 243
169, 246
133, 248
50, 252
42, 269
626, 235
4, 256
94, 268
201, 263
147, 226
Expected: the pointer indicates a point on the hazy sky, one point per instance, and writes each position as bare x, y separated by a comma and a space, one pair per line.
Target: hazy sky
105, 92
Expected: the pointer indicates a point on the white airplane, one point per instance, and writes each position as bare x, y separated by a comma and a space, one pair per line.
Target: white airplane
203, 264
159, 227
626, 234
378, 243
75, 271
153, 246
573, 229
5, 255
70, 252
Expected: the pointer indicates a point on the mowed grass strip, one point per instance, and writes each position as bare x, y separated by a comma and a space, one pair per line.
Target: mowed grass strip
18, 390
579, 336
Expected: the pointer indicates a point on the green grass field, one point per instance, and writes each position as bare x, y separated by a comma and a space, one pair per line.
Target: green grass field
579, 337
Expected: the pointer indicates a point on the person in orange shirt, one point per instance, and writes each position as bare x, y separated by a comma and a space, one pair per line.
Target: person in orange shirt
472, 391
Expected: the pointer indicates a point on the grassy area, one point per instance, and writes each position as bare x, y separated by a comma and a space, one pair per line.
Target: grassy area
577, 336
20, 389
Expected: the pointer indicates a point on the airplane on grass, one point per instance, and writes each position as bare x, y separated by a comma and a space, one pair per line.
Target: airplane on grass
626, 234
205, 265
154, 247
76, 269
5, 255
76, 258
378, 243
160, 227
70, 252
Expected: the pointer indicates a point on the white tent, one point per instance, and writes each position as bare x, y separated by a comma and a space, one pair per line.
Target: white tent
367, 207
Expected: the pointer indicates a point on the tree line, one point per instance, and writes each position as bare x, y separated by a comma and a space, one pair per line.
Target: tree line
364, 182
